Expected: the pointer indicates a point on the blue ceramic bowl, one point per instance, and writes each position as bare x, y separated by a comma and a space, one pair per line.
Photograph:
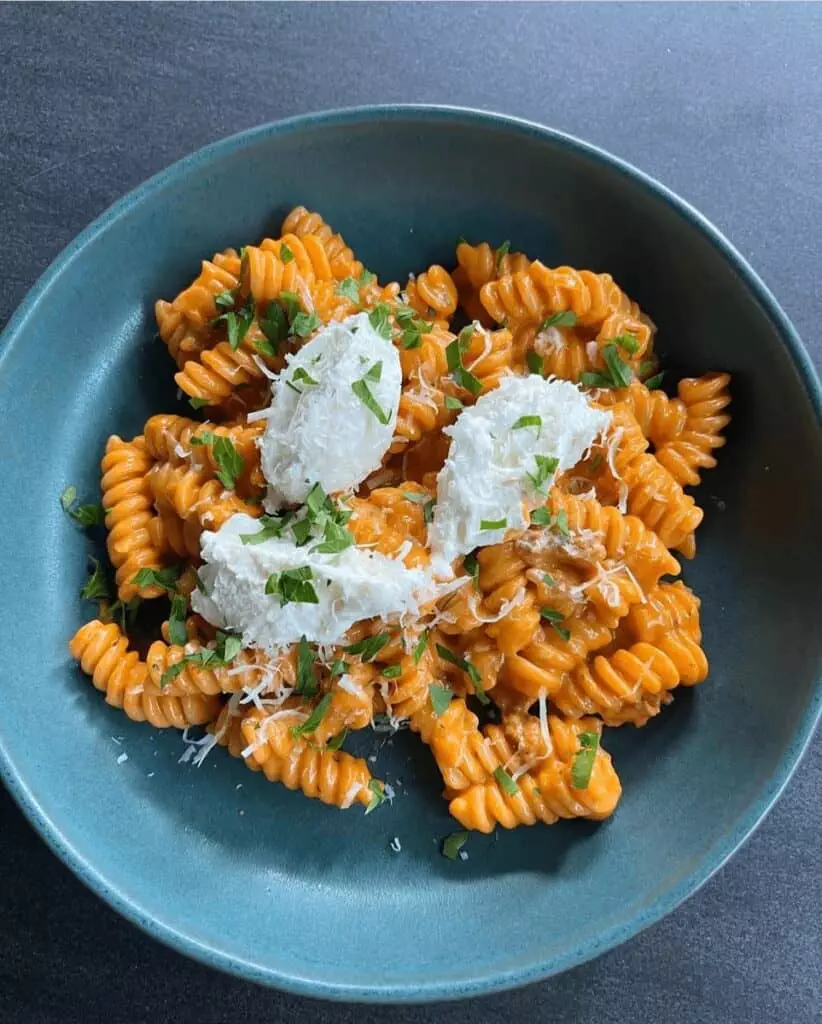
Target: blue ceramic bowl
248, 877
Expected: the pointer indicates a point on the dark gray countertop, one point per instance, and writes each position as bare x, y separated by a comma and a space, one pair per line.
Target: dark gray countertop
720, 102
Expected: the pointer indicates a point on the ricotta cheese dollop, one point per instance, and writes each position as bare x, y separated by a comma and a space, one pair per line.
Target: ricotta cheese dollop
350, 585
505, 452
333, 412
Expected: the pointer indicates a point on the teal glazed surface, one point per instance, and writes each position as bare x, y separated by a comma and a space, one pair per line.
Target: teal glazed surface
253, 879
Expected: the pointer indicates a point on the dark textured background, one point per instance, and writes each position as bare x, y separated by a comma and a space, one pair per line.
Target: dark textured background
720, 102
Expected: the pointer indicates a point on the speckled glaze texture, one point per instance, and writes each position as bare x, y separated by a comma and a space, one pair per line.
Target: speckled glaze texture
290, 893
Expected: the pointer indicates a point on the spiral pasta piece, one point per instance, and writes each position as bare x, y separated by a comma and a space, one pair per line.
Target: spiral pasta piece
196, 678
308, 253
535, 293
481, 264
661, 419
332, 776
197, 302
561, 352
303, 223
547, 794
127, 500
103, 653
691, 451
192, 493
489, 356
539, 669
504, 586
183, 340
433, 294
669, 607
658, 500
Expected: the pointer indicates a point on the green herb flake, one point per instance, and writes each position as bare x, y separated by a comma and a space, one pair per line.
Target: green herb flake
96, 586
535, 362
540, 517
548, 580
493, 524
652, 383
461, 377
440, 697
286, 255
314, 719
377, 795
264, 347
453, 843
453, 403
379, 318
551, 615
291, 304
563, 632
85, 515
369, 647
349, 289
294, 586
197, 403
363, 392
177, 632
419, 646
428, 510
627, 342
583, 764
274, 325
505, 781
366, 278
306, 678
560, 520
415, 496
391, 671
270, 527
337, 741
337, 668
229, 462
470, 670
546, 467
471, 566
302, 376
565, 318
165, 578
304, 324
225, 300
528, 421
501, 253
336, 538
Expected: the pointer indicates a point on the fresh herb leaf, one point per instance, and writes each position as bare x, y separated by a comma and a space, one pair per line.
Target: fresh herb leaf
228, 460
440, 697
274, 325
377, 795
493, 524
337, 741
290, 302
548, 580
379, 318
566, 318
197, 403
528, 421
471, 566
336, 538
301, 531
293, 586
505, 781
363, 392
652, 383
563, 632
452, 844
375, 373
595, 379
419, 647
337, 668
165, 578
470, 670
225, 650
461, 377
238, 326
547, 465
369, 647
302, 376
348, 289
501, 253
96, 586
306, 677
536, 364
271, 527
366, 278
551, 615
540, 517
627, 342
620, 372
314, 719
85, 515
453, 403
560, 520
304, 324
428, 510
392, 671
177, 632
227, 646
416, 496
225, 300
264, 347
583, 764
286, 255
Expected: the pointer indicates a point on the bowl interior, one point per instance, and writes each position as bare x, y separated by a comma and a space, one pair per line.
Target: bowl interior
263, 881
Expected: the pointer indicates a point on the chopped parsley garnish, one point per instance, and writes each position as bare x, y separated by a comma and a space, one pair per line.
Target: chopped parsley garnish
270, 527
274, 325
471, 566
337, 741
412, 325
177, 632
264, 347
304, 324
551, 615
566, 318
560, 520
229, 462
336, 538
365, 278
291, 304
379, 318
225, 300
627, 342
165, 578
563, 632
377, 795
226, 648
314, 719
461, 377
583, 763
440, 697
392, 671
501, 253
493, 524
652, 383
428, 510
237, 322
306, 677
453, 403
542, 517
548, 580
419, 647
547, 465
505, 781
470, 670
293, 586
197, 403
536, 364
369, 647
452, 844
301, 376
528, 421
96, 586
363, 392
348, 289
617, 373
286, 255
337, 668
85, 515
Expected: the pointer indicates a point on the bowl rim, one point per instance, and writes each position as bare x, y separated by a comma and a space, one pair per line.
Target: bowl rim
729, 842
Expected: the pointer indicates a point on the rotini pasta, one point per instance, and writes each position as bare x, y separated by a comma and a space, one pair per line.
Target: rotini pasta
505, 591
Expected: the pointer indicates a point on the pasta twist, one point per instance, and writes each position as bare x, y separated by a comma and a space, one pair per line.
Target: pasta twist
657, 499
504, 586
669, 606
534, 293
103, 653
196, 678
481, 264
220, 274
341, 259
540, 668
433, 294
129, 515
182, 340
227, 729
334, 777
265, 277
190, 493
661, 419
388, 520
562, 352
548, 794
691, 451
489, 356
172, 535
308, 253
